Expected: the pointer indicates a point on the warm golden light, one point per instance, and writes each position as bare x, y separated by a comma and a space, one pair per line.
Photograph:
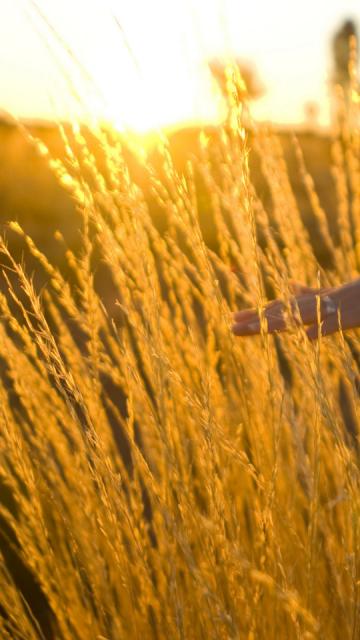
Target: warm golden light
143, 65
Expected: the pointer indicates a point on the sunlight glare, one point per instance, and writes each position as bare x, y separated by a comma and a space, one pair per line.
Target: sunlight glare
147, 76
148, 61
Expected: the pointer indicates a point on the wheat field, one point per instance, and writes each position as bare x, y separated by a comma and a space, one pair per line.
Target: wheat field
161, 478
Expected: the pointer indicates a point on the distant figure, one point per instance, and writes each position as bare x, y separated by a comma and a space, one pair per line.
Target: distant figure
311, 115
247, 85
238, 84
343, 46
342, 54
251, 87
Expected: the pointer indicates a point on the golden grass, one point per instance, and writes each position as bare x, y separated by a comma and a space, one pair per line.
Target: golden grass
160, 478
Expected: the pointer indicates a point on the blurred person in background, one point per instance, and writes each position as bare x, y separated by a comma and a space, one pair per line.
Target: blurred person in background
344, 53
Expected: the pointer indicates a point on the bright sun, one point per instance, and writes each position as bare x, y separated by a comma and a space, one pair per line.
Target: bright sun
138, 74
156, 93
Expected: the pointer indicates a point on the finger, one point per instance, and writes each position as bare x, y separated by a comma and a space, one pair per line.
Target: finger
250, 325
247, 323
254, 328
245, 316
247, 329
273, 309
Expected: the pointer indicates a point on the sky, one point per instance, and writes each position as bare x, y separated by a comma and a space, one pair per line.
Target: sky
142, 63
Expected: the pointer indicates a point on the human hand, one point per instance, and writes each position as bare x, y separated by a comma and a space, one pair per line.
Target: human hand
338, 307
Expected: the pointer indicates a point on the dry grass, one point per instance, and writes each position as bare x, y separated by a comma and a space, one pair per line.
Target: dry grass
160, 478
